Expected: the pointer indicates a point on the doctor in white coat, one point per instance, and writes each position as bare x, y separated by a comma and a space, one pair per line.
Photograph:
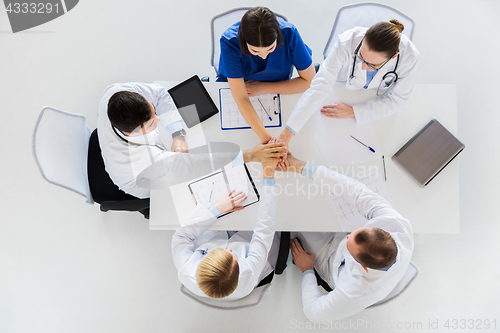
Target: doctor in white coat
129, 151
228, 265
130, 118
363, 267
379, 57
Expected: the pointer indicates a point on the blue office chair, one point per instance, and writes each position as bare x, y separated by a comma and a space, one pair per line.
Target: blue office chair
68, 155
365, 15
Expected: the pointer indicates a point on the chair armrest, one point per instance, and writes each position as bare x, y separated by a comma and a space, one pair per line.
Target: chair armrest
283, 252
128, 205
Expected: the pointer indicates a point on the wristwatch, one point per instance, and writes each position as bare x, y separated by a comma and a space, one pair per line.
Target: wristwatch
182, 132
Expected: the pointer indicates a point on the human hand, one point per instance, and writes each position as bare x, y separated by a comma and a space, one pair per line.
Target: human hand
229, 202
283, 164
255, 88
285, 137
179, 145
294, 164
302, 259
338, 110
269, 165
264, 151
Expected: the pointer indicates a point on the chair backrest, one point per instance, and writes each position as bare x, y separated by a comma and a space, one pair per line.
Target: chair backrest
252, 299
366, 15
410, 275
60, 144
101, 186
220, 23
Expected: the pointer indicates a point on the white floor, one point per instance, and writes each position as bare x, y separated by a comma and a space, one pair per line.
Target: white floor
67, 267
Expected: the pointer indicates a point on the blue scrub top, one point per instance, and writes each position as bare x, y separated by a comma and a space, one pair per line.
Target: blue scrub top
276, 67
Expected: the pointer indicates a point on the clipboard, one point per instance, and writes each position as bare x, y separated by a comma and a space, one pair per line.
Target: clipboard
212, 188
266, 105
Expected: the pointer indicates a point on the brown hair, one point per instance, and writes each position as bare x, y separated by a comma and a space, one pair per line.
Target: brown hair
379, 248
128, 110
259, 27
384, 37
218, 273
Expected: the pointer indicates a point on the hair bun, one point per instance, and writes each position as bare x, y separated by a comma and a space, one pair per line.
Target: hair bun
398, 25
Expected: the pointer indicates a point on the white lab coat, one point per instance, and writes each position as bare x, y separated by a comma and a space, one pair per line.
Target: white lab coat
125, 162
337, 67
191, 242
355, 289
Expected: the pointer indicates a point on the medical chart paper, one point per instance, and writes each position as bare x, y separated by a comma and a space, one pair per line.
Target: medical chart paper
238, 180
210, 189
231, 117
333, 137
213, 188
346, 214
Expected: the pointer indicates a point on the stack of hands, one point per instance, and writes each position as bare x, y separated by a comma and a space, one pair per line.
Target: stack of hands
274, 155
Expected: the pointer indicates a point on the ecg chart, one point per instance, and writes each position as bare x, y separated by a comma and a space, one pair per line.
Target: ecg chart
347, 215
210, 189
238, 180
266, 105
213, 188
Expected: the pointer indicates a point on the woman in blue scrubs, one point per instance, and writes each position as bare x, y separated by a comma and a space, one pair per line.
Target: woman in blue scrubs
256, 58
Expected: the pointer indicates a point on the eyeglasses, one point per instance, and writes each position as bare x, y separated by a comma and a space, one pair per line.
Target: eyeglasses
367, 63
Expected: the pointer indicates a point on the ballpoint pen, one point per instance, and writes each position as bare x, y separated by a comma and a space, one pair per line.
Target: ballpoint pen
383, 162
210, 196
371, 149
271, 119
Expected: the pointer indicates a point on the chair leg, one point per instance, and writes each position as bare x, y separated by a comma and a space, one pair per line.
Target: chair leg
145, 212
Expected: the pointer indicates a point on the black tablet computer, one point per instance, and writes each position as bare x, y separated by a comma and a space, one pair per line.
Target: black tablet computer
191, 92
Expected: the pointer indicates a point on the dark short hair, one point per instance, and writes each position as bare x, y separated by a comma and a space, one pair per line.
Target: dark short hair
379, 248
128, 110
384, 37
259, 27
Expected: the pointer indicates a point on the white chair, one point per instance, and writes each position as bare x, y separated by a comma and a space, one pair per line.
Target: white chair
60, 145
219, 24
365, 15
410, 275
255, 297
252, 299
61, 150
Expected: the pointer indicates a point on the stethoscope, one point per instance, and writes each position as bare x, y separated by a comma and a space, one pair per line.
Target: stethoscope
134, 143
387, 82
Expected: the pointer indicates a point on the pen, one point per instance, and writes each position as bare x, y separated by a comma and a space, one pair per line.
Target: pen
371, 149
383, 161
271, 119
211, 190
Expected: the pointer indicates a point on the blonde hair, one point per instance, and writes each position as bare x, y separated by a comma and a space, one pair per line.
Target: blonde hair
218, 273
385, 37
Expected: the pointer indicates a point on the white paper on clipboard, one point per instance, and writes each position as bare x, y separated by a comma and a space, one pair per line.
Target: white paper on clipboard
267, 106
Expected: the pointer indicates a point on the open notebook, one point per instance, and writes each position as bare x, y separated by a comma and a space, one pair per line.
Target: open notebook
213, 188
